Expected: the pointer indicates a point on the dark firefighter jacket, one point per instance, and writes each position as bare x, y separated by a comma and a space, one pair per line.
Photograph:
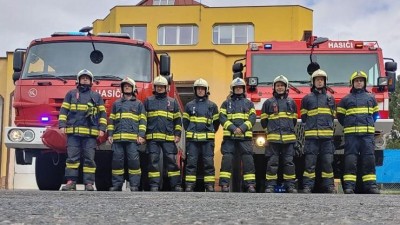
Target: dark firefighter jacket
279, 117
127, 120
318, 113
163, 118
237, 112
200, 119
357, 112
83, 113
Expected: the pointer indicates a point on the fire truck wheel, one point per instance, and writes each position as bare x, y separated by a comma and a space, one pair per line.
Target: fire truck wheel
49, 170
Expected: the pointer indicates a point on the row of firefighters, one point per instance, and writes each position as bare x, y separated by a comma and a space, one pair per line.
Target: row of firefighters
158, 122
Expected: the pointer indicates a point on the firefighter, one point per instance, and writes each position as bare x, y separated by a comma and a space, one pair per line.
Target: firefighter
200, 121
237, 117
357, 113
164, 125
279, 118
317, 114
126, 131
83, 119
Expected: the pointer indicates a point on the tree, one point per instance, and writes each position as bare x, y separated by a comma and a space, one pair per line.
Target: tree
394, 112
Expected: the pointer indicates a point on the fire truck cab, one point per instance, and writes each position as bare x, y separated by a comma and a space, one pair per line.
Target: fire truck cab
297, 60
47, 70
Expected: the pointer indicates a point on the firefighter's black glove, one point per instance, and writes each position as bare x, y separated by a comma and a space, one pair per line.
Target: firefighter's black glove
298, 149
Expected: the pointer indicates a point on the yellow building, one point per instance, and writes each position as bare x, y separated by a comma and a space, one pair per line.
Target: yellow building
202, 42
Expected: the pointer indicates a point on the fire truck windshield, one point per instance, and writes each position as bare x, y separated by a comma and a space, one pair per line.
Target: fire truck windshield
66, 59
339, 67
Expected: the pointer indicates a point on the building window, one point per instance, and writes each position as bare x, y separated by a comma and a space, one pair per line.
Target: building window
135, 32
233, 34
163, 2
178, 35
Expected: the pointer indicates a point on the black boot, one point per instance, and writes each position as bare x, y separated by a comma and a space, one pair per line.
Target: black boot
70, 186
189, 188
115, 188
251, 189
269, 189
210, 188
348, 191
225, 188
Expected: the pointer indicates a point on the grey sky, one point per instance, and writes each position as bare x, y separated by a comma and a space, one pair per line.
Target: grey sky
23, 20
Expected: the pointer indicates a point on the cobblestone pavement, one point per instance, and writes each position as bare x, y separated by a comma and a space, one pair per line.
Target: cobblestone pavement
79, 207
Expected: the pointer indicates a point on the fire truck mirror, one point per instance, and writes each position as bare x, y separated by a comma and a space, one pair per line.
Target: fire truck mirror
96, 56
391, 66
237, 67
165, 64
391, 80
18, 59
313, 66
16, 76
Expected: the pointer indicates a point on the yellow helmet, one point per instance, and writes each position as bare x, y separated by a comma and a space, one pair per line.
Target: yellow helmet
201, 83
358, 74
319, 73
282, 79
129, 81
238, 82
84, 72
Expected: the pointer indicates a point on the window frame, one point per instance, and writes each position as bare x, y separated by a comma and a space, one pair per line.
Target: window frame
133, 30
167, 2
249, 35
194, 39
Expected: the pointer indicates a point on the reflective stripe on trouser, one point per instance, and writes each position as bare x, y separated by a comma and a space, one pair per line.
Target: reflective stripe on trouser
194, 150
169, 152
130, 149
322, 149
275, 153
228, 150
362, 146
77, 146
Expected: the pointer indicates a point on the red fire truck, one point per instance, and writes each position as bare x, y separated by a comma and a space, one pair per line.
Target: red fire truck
44, 73
297, 60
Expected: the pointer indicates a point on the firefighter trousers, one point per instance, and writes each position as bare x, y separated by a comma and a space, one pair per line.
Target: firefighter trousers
276, 153
318, 149
169, 153
130, 150
228, 147
76, 147
194, 150
359, 147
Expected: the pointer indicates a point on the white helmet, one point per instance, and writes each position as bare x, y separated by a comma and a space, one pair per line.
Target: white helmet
238, 82
319, 73
84, 72
282, 79
201, 83
160, 81
129, 81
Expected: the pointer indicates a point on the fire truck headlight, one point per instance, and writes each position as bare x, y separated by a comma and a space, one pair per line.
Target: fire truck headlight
15, 135
260, 141
29, 135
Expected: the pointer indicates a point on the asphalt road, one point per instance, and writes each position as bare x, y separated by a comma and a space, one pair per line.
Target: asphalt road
80, 207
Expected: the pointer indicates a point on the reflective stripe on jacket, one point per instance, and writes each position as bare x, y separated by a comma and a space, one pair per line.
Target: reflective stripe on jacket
317, 114
200, 119
279, 118
83, 113
237, 112
357, 112
164, 119
127, 120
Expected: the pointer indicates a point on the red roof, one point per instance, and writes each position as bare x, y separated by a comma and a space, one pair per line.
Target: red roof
177, 2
